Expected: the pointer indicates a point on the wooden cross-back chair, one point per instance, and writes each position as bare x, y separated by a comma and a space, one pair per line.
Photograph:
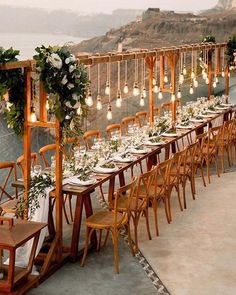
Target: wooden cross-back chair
111, 128
89, 135
44, 150
166, 106
130, 120
141, 118
8, 201
20, 162
156, 111
112, 222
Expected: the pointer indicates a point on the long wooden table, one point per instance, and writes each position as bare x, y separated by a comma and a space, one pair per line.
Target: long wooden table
83, 194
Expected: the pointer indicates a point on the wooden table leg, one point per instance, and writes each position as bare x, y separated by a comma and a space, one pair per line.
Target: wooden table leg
152, 161
167, 152
89, 211
76, 228
51, 226
111, 189
122, 178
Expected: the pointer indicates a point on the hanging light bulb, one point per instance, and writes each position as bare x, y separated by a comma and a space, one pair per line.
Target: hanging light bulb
207, 80
192, 74
214, 84
126, 89
223, 72
154, 81
184, 70
191, 91
172, 97
89, 100
109, 113
195, 83
107, 89
181, 78
47, 105
166, 77
79, 110
136, 89
144, 92
142, 101
33, 117
118, 99
229, 74
217, 80
204, 76
99, 102
179, 94
156, 88
160, 95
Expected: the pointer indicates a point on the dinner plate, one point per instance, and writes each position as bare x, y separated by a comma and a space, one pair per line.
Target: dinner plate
194, 120
207, 116
212, 112
124, 160
222, 108
76, 181
141, 151
148, 142
228, 105
100, 169
166, 134
184, 126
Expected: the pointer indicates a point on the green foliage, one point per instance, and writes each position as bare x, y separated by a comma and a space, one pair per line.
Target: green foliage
66, 83
38, 186
208, 39
231, 49
12, 81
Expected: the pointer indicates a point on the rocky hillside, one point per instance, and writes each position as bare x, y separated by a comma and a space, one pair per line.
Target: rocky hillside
162, 28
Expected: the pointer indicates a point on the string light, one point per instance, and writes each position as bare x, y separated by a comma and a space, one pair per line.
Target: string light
107, 88
109, 113
89, 100
172, 97
181, 75
144, 91
195, 83
126, 88
79, 110
99, 99
184, 68
136, 90
179, 94
166, 77
33, 117
191, 91
155, 88
47, 105
118, 97
142, 101
160, 95
207, 80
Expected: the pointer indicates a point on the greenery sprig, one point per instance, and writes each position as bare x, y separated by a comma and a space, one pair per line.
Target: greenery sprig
231, 52
12, 92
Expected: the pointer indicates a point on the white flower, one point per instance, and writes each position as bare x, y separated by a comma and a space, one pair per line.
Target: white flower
72, 68
68, 104
67, 61
64, 80
72, 125
72, 58
9, 105
76, 105
68, 117
75, 96
55, 60
70, 86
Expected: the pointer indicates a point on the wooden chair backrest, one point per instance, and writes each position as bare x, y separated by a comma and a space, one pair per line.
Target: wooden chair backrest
44, 150
156, 111
111, 128
10, 174
130, 120
70, 143
88, 135
141, 118
163, 174
20, 162
130, 191
166, 106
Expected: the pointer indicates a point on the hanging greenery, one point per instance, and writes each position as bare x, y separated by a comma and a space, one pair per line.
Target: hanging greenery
209, 39
231, 52
12, 100
66, 82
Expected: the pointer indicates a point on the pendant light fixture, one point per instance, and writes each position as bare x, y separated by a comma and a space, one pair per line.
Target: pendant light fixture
192, 70
136, 90
191, 90
144, 91
107, 87
109, 111
89, 98
223, 64
179, 94
126, 88
160, 95
181, 75
195, 81
118, 96
184, 67
99, 99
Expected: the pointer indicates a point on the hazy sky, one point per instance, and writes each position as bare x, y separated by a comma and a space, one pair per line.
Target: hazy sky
93, 6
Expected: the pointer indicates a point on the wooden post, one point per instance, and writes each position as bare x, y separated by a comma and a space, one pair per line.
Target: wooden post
42, 100
150, 61
227, 80
27, 135
59, 197
210, 73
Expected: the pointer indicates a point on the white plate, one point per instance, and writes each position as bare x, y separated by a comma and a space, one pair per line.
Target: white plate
100, 169
207, 116
124, 160
228, 105
184, 127
161, 142
142, 151
222, 108
170, 134
212, 112
197, 120
76, 181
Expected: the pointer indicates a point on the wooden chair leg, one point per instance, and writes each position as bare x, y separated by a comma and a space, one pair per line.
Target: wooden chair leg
99, 240
208, 170
166, 210
135, 223
89, 232
147, 224
70, 208
179, 199
184, 192
192, 186
202, 175
64, 210
154, 207
115, 249
216, 166
106, 238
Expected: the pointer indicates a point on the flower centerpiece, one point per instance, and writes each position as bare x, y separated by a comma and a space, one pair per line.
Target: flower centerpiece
66, 82
12, 100
231, 52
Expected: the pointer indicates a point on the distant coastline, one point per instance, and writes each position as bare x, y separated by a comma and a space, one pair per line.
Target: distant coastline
27, 42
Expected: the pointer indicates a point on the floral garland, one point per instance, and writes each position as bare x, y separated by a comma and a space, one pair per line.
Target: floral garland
231, 52
12, 92
66, 82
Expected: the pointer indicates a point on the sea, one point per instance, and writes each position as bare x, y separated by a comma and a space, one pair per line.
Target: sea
11, 146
